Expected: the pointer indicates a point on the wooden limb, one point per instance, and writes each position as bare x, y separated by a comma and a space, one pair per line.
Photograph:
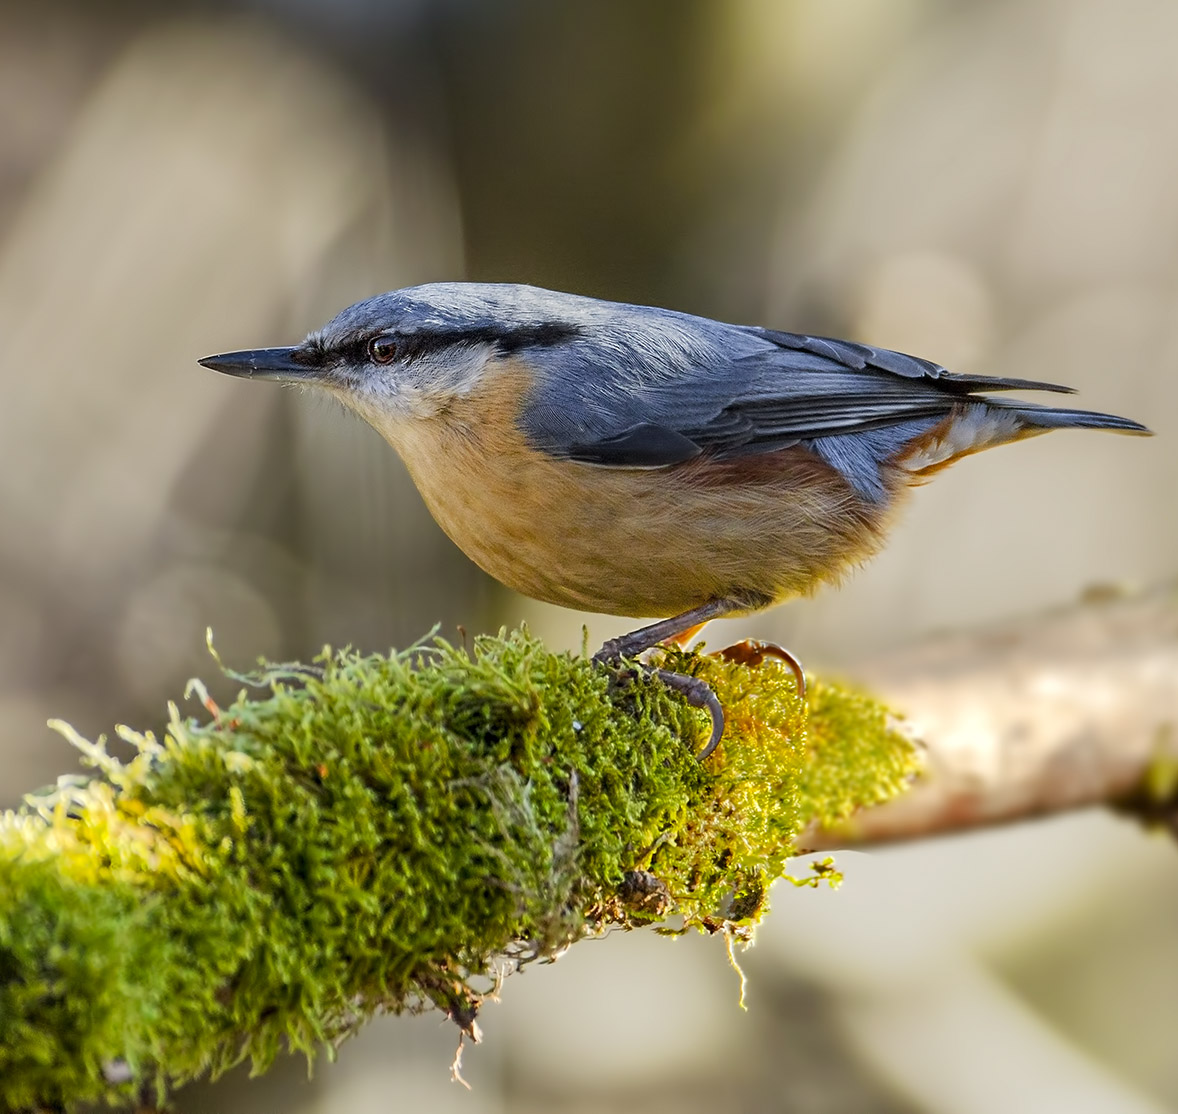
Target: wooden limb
1030, 717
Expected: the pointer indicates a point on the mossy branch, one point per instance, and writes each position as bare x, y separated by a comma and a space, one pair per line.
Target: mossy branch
393, 833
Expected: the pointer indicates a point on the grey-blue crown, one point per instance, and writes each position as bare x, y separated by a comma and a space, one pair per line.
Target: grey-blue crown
511, 316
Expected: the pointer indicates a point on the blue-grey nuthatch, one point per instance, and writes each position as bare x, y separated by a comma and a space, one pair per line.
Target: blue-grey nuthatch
642, 462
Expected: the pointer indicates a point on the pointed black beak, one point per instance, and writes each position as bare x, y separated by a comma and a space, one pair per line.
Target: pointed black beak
286, 364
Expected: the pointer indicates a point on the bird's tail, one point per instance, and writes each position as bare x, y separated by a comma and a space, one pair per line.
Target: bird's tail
1053, 417
984, 423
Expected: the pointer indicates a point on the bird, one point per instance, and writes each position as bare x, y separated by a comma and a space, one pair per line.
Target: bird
645, 462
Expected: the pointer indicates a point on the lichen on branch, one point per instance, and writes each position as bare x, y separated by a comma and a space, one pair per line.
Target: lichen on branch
388, 833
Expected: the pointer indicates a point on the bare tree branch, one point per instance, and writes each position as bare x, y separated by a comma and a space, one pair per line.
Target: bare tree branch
1030, 717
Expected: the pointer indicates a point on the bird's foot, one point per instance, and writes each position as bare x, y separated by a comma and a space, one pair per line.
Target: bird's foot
752, 652
697, 692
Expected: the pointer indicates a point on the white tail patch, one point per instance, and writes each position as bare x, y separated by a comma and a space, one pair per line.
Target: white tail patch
974, 427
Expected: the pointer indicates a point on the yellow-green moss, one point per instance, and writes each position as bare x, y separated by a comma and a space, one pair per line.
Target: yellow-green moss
377, 833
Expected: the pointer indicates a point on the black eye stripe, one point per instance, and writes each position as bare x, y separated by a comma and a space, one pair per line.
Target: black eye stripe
422, 342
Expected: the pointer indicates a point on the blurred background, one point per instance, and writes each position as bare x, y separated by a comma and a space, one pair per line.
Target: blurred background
988, 183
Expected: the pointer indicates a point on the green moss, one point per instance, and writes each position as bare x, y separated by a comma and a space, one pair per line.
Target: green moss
378, 833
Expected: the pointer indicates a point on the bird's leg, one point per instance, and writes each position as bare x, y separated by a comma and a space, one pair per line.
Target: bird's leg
665, 630
752, 652
698, 693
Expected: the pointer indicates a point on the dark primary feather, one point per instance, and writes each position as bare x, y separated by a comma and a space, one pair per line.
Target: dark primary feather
853, 355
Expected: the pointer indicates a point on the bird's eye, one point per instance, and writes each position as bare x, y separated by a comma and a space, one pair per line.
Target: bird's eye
383, 350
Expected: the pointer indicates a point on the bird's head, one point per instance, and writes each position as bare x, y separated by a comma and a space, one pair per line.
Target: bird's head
410, 353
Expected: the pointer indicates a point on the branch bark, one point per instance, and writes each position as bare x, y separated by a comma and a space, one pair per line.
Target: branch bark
1029, 717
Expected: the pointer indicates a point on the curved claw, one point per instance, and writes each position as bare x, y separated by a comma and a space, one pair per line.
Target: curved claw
698, 694
752, 652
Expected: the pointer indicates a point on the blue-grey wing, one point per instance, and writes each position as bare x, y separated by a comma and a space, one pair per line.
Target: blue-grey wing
642, 396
